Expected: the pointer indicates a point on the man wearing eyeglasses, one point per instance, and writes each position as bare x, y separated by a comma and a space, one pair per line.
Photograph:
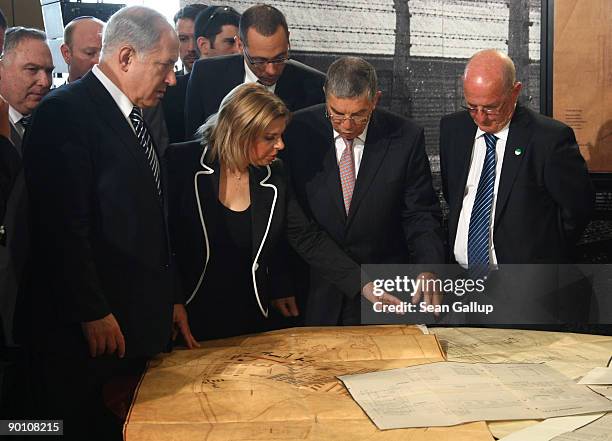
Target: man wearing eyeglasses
362, 173
263, 42
517, 187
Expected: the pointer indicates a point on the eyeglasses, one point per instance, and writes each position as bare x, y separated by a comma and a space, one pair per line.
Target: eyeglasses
489, 111
260, 62
339, 119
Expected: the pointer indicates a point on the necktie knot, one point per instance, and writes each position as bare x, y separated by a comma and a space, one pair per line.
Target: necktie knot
136, 114
25, 121
348, 143
490, 141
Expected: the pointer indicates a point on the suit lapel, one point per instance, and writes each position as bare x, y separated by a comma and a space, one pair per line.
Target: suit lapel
518, 139
331, 171
16, 139
285, 89
108, 111
375, 149
262, 199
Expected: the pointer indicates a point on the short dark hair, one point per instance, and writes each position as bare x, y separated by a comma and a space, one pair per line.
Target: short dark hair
351, 77
265, 19
3, 22
210, 21
189, 12
15, 35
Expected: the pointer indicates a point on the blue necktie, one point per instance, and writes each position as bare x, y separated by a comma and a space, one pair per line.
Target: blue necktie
480, 221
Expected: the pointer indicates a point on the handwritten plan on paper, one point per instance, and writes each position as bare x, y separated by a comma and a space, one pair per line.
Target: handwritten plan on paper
450, 393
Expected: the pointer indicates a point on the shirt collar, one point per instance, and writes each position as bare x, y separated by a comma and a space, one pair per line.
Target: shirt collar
123, 102
361, 137
502, 134
14, 115
250, 77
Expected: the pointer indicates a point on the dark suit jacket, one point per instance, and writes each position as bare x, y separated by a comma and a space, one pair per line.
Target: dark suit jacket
276, 218
174, 109
211, 79
394, 215
13, 223
545, 197
99, 234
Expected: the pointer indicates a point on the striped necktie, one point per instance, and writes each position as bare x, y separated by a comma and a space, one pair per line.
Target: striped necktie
347, 173
480, 220
146, 142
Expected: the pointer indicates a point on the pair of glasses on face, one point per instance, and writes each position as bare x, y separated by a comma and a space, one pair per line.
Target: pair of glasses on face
339, 119
260, 62
487, 110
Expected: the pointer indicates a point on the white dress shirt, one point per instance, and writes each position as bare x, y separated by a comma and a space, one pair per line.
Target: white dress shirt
120, 98
250, 77
469, 195
358, 147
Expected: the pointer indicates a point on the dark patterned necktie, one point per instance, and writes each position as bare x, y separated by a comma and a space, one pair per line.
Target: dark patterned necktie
347, 173
480, 220
25, 121
146, 142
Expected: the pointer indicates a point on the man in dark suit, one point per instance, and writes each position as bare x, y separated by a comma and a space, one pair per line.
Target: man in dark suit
102, 286
363, 175
264, 45
517, 187
25, 78
214, 34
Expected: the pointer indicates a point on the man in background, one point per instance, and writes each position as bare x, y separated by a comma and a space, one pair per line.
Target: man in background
263, 43
216, 29
81, 46
25, 78
215, 33
184, 22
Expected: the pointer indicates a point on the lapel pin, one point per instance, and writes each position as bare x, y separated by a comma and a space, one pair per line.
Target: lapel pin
518, 151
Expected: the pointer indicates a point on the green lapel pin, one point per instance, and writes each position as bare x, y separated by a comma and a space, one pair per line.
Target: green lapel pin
518, 151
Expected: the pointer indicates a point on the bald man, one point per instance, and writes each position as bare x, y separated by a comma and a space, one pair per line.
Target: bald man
517, 187
82, 44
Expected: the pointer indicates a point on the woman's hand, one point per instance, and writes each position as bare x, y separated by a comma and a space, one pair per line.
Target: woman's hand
286, 306
181, 324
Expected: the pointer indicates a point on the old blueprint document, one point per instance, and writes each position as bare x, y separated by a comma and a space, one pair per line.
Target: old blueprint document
449, 393
280, 386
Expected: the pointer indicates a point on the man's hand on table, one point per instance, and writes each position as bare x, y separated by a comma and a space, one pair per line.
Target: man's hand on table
104, 336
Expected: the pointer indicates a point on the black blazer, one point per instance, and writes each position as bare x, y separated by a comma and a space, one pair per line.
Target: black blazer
174, 109
13, 224
545, 197
394, 215
99, 233
211, 79
276, 218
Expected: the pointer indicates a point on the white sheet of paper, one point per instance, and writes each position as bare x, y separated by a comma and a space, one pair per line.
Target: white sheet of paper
450, 393
598, 375
600, 430
548, 429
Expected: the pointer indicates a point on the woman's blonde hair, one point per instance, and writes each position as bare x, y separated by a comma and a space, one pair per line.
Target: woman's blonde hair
243, 115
